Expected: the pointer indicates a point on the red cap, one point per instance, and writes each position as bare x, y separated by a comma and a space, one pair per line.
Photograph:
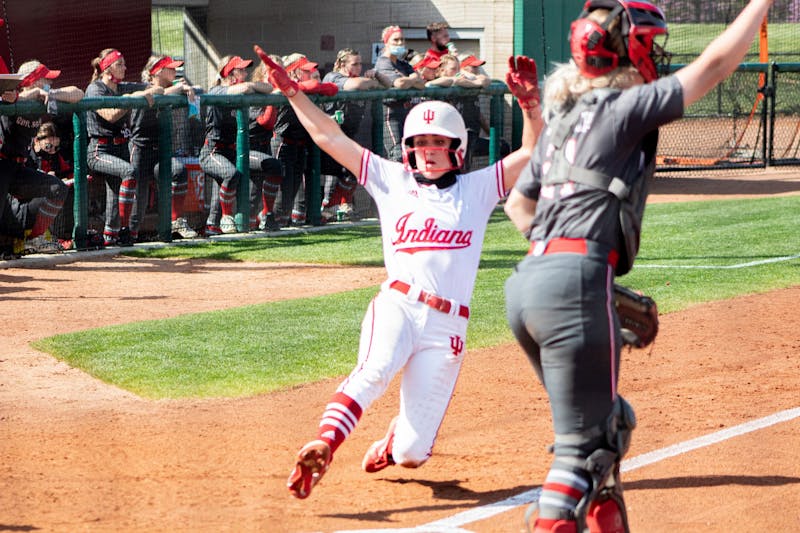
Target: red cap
234, 62
38, 73
164, 62
427, 61
472, 61
303, 64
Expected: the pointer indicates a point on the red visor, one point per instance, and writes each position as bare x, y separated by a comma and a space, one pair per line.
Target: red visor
38, 73
234, 63
164, 62
472, 61
302, 64
427, 61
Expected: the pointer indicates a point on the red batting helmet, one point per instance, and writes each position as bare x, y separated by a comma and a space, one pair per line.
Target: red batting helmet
640, 24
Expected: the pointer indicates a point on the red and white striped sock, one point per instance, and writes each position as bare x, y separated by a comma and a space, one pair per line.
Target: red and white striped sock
127, 195
339, 419
226, 199
564, 487
178, 199
47, 212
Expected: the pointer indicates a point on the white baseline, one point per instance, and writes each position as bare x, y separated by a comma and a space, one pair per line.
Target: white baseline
453, 524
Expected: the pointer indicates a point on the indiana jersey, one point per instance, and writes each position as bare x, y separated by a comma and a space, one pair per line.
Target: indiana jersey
432, 237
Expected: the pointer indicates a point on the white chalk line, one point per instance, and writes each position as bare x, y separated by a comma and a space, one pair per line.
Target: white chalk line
453, 523
724, 267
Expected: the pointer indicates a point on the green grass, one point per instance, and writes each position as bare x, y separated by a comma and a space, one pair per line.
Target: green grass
260, 348
166, 24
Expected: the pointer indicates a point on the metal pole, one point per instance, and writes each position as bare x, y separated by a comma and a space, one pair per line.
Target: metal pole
313, 210
243, 166
164, 174
80, 205
495, 126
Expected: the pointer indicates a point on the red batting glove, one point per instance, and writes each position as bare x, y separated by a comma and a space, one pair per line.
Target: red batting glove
523, 81
277, 74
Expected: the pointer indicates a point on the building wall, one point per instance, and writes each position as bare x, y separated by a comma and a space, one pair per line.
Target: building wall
321, 28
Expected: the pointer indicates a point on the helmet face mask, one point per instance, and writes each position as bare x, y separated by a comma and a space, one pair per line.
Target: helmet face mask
434, 118
641, 24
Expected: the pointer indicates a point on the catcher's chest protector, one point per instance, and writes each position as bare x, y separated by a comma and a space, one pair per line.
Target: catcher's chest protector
631, 188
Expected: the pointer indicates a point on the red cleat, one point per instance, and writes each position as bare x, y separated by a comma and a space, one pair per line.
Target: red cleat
313, 460
379, 455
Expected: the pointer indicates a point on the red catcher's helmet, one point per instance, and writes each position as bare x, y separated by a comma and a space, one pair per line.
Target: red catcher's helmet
641, 23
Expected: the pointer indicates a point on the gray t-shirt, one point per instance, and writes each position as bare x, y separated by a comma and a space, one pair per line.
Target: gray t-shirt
608, 138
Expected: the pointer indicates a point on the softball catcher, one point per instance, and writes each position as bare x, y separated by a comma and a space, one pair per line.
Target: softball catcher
580, 202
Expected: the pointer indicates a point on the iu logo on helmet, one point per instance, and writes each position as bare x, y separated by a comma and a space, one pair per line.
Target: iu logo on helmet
428, 116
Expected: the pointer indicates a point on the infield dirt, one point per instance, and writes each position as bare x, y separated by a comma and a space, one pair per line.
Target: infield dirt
79, 455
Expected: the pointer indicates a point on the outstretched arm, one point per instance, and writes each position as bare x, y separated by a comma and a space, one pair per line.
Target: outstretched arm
524, 85
723, 54
323, 130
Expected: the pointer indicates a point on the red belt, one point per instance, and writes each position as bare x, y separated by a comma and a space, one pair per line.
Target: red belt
431, 300
216, 144
574, 246
14, 158
111, 140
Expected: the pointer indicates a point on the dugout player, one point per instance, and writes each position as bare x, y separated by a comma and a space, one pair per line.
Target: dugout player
107, 154
218, 155
159, 71
36, 195
603, 111
433, 220
340, 184
266, 171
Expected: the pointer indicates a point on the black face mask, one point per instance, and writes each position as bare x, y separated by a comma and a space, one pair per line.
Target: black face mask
445, 181
44, 154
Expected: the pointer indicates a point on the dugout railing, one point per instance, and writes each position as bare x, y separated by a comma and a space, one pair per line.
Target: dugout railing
241, 104
750, 121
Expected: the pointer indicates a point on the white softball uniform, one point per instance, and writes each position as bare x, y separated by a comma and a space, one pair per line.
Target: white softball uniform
432, 240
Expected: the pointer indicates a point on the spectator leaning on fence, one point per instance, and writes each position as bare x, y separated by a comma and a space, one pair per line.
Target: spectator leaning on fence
470, 76
395, 73
266, 171
428, 68
340, 184
108, 156
159, 71
25, 183
218, 155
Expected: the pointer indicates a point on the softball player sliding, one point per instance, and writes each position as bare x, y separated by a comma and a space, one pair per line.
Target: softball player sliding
603, 113
432, 221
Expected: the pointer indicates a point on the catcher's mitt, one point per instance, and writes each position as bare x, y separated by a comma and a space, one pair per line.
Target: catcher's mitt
638, 317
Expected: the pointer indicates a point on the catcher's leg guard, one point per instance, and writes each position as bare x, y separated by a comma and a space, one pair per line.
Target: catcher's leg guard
607, 513
602, 508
